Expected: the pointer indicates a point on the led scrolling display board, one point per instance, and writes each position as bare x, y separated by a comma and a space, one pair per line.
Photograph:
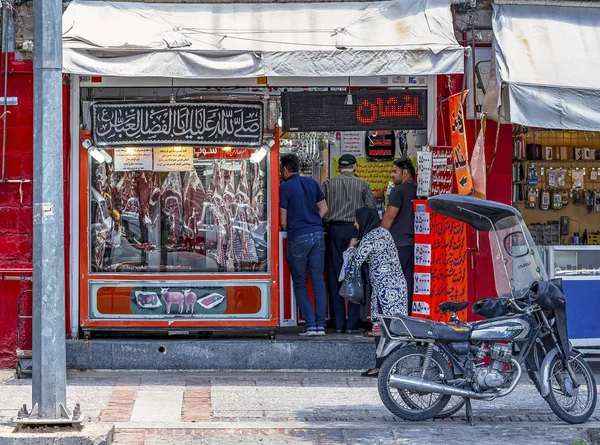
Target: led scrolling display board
370, 110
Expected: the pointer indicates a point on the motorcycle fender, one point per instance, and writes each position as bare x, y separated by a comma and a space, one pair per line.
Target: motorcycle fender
387, 345
545, 372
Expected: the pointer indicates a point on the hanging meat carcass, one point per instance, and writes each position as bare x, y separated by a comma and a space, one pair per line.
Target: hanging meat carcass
101, 182
242, 194
246, 219
229, 192
149, 195
234, 248
114, 178
127, 189
213, 214
193, 203
171, 200
258, 195
99, 248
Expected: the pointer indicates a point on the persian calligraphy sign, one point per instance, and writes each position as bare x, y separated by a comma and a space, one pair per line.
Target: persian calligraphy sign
200, 123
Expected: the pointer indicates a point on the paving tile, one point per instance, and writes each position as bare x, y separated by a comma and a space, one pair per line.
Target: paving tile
159, 405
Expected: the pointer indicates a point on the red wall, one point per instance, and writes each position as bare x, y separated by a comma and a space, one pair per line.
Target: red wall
16, 206
16, 216
481, 284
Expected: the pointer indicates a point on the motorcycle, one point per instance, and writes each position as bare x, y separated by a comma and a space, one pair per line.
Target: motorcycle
432, 369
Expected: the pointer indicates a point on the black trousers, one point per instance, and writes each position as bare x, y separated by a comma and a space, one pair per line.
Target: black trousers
339, 240
407, 261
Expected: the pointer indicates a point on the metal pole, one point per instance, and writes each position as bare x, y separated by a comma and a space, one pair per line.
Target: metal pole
49, 351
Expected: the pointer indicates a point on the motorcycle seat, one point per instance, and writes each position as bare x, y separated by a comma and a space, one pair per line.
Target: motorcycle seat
452, 306
405, 326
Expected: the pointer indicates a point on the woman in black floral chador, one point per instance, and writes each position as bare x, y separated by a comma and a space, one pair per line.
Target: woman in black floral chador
376, 247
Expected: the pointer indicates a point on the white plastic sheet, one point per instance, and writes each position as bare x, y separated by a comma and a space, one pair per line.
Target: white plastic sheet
547, 57
240, 40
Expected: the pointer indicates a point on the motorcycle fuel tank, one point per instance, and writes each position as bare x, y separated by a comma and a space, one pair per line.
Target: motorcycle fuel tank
504, 328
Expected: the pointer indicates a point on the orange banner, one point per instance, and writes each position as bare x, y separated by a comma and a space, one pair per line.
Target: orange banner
460, 154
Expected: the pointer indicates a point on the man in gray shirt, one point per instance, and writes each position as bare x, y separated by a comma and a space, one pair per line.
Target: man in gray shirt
344, 194
399, 219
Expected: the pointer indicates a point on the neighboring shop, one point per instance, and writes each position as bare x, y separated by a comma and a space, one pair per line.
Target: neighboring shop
556, 144
176, 168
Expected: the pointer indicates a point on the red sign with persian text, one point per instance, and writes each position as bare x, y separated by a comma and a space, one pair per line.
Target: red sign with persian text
459, 145
359, 110
222, 153
440, 263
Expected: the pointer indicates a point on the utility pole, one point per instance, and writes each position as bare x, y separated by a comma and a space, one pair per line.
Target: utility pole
49, 351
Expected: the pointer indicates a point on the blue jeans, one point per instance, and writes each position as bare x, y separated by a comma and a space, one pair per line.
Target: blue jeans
307, 252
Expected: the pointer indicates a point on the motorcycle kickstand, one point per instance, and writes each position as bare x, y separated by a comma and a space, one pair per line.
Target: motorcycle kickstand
469, 410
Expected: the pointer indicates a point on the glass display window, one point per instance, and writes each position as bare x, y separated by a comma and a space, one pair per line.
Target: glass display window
576, 261
205, 213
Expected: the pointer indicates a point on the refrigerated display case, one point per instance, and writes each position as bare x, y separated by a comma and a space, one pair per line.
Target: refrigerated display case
193, 247
579, 269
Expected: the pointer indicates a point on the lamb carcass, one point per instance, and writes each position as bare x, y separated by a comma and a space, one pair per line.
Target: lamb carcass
127, 190
171, 200
149, 193
193, 203
258, 195
245, 218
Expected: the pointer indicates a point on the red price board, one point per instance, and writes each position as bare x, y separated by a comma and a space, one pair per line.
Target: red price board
440, 263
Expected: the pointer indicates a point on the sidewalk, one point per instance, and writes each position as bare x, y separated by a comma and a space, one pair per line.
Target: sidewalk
150, 407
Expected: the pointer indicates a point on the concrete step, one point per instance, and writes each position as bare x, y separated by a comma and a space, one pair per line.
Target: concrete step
339, 352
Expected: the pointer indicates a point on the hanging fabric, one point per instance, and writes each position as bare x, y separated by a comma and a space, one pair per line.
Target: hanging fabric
478, 166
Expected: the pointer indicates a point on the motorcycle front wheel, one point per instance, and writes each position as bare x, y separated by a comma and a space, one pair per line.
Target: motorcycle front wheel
572, 403
409, 361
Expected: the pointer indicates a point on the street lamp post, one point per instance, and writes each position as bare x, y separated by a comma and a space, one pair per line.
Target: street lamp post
49, 375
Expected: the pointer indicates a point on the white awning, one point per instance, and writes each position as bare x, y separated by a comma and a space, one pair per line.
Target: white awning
401, 37
548, 59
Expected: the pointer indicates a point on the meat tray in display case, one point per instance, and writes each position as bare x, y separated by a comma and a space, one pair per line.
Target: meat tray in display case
212, 217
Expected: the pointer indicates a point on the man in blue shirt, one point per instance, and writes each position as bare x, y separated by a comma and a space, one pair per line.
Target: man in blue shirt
302, 207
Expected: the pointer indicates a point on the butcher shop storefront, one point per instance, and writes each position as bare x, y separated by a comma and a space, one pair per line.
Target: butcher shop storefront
177, 135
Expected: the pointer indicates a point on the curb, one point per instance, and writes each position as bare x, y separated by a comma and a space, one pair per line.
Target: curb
90, 434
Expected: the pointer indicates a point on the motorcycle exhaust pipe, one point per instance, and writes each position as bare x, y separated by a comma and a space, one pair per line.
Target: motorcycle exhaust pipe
420, 385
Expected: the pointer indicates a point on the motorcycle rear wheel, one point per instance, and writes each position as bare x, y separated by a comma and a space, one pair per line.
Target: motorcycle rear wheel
570, 404
409, 361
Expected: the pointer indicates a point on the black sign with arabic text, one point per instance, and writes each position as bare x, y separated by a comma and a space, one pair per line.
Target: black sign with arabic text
370, 110
202, 123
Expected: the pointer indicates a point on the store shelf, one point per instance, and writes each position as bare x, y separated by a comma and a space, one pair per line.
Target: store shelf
575, 248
